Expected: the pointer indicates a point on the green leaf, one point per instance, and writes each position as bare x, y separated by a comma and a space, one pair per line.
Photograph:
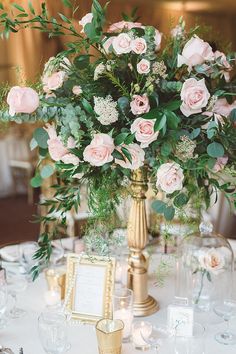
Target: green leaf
173, 105
33, 144
31, 8
215, 150
47, 171
18, 7
129, 139
1, 6
233, 115
211, 163
166, 149
208, 276
117, 155
64, 18
181, 200
169, 213
120, 138
159, 206
153, 114
67, 3
211, 130
172, 120
127, 154
194, 134
82, 61
36, 181
41, 136
160, 123
87, 106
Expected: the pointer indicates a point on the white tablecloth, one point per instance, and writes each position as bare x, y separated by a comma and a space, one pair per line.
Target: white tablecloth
23, 332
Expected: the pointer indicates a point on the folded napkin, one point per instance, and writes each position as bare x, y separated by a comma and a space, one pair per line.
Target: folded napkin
10, 253
65, 243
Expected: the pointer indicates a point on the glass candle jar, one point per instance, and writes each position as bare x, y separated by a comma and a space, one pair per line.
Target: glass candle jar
123, 310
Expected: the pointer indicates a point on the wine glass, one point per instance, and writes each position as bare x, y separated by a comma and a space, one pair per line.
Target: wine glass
3, 305
155, 335
53, 332
16, 284
226, 309
27, 261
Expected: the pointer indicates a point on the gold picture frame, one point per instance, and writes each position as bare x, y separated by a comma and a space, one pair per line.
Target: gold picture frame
89, 287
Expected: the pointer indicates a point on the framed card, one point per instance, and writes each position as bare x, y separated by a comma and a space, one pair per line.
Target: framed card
89, 287
180, 320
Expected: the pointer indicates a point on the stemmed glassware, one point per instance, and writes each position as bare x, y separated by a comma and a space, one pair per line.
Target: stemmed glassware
27, 261
53, 332
226, 310
16, 284
155, 335
3, 305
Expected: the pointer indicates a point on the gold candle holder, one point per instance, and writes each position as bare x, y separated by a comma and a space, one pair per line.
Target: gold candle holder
56, 280
109, 336
144, 304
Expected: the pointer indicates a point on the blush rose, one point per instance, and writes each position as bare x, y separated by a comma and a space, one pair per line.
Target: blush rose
54, 81
99, 151
137, 157
22, 100
144, 131
194, 96
139, 45
170, 177
143, 67
122, 44
140, 104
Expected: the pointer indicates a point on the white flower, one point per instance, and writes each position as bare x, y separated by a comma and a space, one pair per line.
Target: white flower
106, 110
177, 32
212, 261
143, 67
170, 177
99, 70
122, 44
77, 90
85, 20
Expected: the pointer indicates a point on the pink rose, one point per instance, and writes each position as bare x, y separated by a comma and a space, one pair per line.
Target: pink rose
226, 67
194, 95
70, 159
122, 44
54, 81
212, 260
22, 100
195, 52
119, 26
100, 150
143, 67
170, 177
144, 131
139, 45
71, 144
56, 148
223, 108
140, 104
137, 155
85, 20
157, 39
77, 90
220, 163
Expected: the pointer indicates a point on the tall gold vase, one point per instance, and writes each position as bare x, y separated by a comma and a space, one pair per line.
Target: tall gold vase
144, 304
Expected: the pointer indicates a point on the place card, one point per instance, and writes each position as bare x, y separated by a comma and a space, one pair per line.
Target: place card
89, 287
180, 320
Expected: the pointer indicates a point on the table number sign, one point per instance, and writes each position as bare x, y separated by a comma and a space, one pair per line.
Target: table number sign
89, 287
180, 320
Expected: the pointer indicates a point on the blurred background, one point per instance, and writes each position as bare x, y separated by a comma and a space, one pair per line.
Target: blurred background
21, 61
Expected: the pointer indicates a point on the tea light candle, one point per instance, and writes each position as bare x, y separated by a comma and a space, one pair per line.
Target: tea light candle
126, 315
137, 338
121, 273
52, 297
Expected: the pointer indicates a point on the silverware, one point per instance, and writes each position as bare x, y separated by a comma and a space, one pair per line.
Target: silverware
21, 351
5, 350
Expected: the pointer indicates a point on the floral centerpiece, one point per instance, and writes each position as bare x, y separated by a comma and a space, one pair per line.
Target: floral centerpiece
122, 96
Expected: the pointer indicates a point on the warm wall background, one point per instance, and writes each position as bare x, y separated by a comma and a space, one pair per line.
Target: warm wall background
24, 54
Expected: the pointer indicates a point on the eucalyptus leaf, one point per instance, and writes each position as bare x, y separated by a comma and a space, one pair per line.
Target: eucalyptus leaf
36, 181
215, 150
47, 171
159, 206
41, 137
169, 213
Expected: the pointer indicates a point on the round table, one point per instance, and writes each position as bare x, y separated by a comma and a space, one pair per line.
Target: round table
23, 332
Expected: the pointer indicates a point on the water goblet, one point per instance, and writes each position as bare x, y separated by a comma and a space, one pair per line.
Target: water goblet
226, 309
27, 261
16, 284
3, 305
53, 332
155, 335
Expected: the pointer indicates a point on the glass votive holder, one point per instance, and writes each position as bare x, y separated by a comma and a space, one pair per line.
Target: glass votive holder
194, 344
109, 336
56, 280
137, 339
123, 310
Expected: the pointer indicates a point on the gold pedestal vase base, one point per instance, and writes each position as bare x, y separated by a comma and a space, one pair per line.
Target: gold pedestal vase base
146, 308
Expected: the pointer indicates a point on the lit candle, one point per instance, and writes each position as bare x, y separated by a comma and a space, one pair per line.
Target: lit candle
52, 297
126, 315
137, 327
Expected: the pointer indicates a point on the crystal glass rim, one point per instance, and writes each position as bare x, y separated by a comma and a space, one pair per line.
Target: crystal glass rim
120, 296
